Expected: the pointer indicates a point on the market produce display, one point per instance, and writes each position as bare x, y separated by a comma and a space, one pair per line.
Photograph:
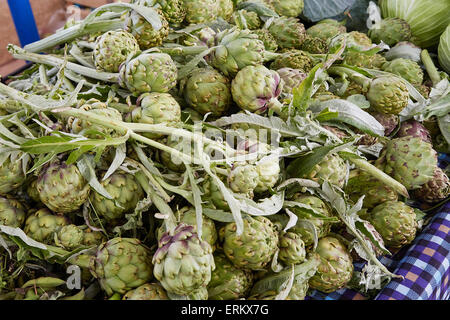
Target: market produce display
222, 150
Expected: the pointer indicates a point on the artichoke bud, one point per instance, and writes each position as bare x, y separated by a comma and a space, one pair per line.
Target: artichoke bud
12, 212
69, 237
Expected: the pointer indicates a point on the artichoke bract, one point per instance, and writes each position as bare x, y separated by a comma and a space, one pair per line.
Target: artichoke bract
183, 262
254, 248
295, 59
69, 237
227, 281
409, 160
62, 188
292, 248
201, 11
256, 89
208, 91
12, 174
413, 128
43, 224
121, 264
12, 213
125, 193
270, 43
288, 32
332, 169
288, 8
396, 223
113, 48
155, 108
336, 266
314, 45
390, 31
388, 94
435, 190
148, 291
173, 10
149, 72
405, 68
292, 78
244, 179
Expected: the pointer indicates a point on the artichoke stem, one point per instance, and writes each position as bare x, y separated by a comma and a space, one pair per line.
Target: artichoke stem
430, 67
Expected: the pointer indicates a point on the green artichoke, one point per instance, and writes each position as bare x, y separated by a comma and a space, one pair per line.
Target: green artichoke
359, 39
268, 170
243, 178
295, 59
270, 43
12, 172
388, 94
336, 266
208, 91
12, 212
288, 8
143, 31
314, 45
405, 68
62, 188
292, 248
113, 48
396, 223
292, 78
254, 248
288, 32
247, 19
256, 89
69, 237
121, 264
390, 31
199, 294
42, 225
226, 9
326, 29
424, 90
413, 128
201, 11
183, 263
363, 60
409, 160
148, 291
149, 72
322, 226
173, 10
125, 194
375, 192
298, 291
155, 108
92, 238
435, 190
227, 281
332, 169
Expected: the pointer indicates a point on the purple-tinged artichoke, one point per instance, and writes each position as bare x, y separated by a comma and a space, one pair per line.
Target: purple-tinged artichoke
292, 78
388, 121
413, 128
435, 190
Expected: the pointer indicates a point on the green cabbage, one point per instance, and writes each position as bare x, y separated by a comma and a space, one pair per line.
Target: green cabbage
427, 18
444, 50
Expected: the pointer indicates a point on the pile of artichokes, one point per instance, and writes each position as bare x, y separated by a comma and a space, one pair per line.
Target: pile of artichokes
215, 150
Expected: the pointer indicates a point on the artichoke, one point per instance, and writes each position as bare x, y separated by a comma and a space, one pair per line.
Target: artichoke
388, 94
254, 248
390, 31
69, 237
183, 263
268, 170
243, 178
144, 33
288, 8
363, 60
113, 48
321, 225
326, 29
332, 169
227, 281
12, 212
295, 59
247, 19
170, 161
405, 68
149, 72
288, 32
292, 78
314, 45
198, 294
62, 188
336, 266
298, 291
409, 160
12, 172
256, 89
396, 223
173, 10
352, 89
292, 248
435, 190
42, 225
148, 291
208, 91
388, 121
121, 264
213, 194
413, 128
359, 39
226, 9
125, 194
201, 11
155, 108
375, 191
92, 238
270, 43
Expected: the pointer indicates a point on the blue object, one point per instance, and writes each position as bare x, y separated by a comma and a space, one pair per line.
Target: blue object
23, 17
